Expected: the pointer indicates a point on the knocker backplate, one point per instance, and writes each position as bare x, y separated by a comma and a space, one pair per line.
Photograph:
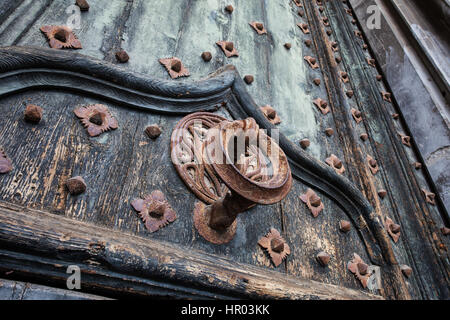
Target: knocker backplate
188, 156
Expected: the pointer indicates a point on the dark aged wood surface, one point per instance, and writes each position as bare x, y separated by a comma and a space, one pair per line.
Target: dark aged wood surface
124, 163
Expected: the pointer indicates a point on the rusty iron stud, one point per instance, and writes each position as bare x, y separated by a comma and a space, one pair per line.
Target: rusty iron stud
304, 27
122, 56
429, 196
228, 48
393, 229
298, 3
329, 131
359, 269
353, 21
287, 45
386, 96
61, 37
338, 59
417, 165
96, 118
357, 115
229, 8
406, 270
82, 4
154, 210
33, 113
349, 12
75, 185
365, 46
301, 12
358, 34
305, 143
249, 79
325, 21
258, 27
308, 42
334, 162
329, 32
406, 140
395, 116
363, 136
345, 226
382, 193
153, 131
321, 9
271, 114
445, 231
5, 163
379, 77
371, 62
206, 56
174, 67
323, 258
344, 76
312, 62
334, 46
349, 93
276, 246
316, 81
322, 105
373, 164
313, 202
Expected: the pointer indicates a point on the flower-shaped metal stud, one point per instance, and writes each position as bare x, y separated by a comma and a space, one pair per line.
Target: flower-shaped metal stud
373, 164
392, 228
322, 105
386, 96
61, 37
271, 114
406, 140
313, 202
312, 62
344, 76
276, 246
174, 67
334, 162
154, 210
5, 162
371, 62
304, 27
228, 48
258, 26
429, 196
360, 269
357, 115
96, 118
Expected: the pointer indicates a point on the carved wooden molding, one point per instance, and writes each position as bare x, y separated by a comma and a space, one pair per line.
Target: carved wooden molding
23, 68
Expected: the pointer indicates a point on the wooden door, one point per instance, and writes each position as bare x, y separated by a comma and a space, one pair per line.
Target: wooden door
44, 229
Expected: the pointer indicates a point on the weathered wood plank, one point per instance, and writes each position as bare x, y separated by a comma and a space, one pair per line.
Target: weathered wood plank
63, 238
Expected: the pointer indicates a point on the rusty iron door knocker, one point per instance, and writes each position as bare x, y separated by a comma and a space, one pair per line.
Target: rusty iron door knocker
230, 165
